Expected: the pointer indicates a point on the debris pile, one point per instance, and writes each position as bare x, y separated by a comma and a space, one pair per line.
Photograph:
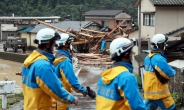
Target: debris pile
94, 40
93, 59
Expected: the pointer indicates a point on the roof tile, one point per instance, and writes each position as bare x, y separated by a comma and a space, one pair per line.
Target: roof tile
103, 12
167, 2
174, 31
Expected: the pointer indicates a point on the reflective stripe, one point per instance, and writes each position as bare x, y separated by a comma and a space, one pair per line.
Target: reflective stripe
79, 88
68, 99
162, 92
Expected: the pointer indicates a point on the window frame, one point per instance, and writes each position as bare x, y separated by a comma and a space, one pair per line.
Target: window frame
104, 22
148, 19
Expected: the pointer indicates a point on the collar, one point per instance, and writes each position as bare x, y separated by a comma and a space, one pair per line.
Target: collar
127, 65
65, 53
49, 55
158, 51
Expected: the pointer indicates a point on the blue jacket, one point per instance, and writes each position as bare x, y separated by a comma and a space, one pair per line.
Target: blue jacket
40, 83
153, 88
64, 70
118, 89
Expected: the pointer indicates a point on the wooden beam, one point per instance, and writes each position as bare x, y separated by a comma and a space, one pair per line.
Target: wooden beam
53, 27
87, 35
77, 43
99, 32
94, 63
59, 29
108, 34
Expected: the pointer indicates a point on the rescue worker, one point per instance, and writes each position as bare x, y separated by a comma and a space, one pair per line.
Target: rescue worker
156, 76
39, 81
64, 69
117, 86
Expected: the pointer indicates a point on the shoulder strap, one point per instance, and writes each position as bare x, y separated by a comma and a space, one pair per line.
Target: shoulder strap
160, 77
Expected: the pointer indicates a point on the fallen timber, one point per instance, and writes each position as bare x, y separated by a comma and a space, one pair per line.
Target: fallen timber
93, 38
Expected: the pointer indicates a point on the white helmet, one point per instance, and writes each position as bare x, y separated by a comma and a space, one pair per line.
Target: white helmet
65, 39
159, 39
45, 36
121, 45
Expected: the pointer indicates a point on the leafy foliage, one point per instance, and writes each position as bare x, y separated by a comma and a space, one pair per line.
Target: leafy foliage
62, 8
176, 98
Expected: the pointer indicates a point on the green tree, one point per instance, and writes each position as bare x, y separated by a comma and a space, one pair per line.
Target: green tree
62, 7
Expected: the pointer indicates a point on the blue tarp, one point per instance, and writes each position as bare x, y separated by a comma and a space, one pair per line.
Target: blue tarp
103, 45
26, 29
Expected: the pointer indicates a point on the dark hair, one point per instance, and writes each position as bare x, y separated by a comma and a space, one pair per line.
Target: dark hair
158, 45
60, 47
124, 55
42, 46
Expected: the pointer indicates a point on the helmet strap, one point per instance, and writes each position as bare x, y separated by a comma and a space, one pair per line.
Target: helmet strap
49, 48
156, 46
161, 47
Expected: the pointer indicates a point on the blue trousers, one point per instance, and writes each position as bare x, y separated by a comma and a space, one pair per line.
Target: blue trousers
154, 104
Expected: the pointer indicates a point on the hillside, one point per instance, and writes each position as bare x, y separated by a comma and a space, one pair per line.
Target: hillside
62, 8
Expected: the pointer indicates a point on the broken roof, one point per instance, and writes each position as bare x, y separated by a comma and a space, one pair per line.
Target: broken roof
94, 23
103, 12
75, 25
167, 2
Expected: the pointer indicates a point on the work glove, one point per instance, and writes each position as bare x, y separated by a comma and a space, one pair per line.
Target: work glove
91, 93
75, 101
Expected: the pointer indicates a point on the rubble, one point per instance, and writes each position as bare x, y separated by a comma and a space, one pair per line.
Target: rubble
93, 38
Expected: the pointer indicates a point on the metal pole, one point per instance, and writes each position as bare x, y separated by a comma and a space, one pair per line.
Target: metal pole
1, 34
80, 17
149, 47
139, 39
4, 101
142, 76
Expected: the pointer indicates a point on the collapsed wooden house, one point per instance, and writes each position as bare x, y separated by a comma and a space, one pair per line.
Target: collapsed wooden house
97, 53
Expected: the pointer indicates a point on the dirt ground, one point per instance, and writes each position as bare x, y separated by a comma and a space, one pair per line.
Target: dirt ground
8, 70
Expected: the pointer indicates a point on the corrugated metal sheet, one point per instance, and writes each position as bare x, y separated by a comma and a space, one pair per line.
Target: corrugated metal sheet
167, 2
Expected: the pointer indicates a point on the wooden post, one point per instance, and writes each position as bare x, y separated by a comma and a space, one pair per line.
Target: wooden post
108, 34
